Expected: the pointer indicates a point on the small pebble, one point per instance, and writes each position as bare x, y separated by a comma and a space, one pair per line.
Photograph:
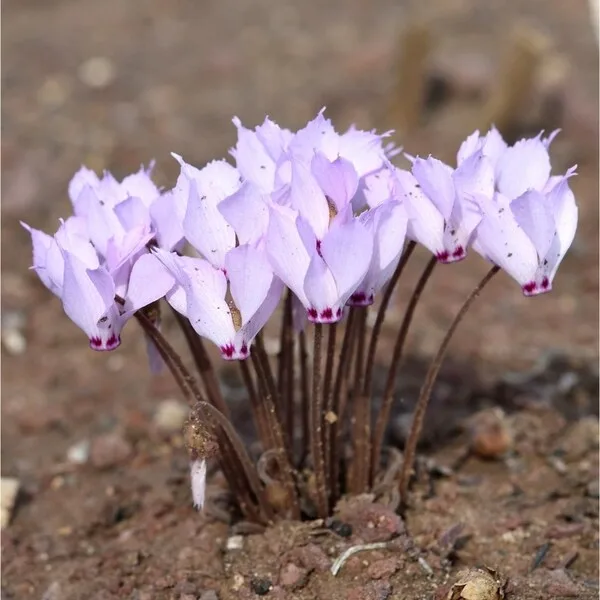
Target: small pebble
97, 72
79, 453
292, 576
109, 450
9, 488
490, 437
592, 489
338, 527
260, 586
235, 542
14, 341
170, 415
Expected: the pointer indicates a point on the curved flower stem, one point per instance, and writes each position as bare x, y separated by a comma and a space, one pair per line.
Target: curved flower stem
316, 426
203, 364
261, 420
232, 451
385, 300
285, 371
276, 434
388, 394
421, 406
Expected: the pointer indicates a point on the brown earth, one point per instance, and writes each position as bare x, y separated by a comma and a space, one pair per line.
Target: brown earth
121, 525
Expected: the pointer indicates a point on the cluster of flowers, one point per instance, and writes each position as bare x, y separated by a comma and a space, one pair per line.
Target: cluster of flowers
323, 213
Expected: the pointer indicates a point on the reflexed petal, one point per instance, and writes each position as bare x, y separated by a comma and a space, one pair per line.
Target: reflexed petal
83, 178
324, 305
132, 212
469, 147
149, 281
48, 262
141, 185
500, 240
318, 135
425, 222
306, 197
475, 176
252, 158
88, 300
435, 179
534, 215
167, 221
205, 228
363, 149
524, 166
338, 179
379, 187
250, 276
347, 251
286, 251
258, 320
247, 212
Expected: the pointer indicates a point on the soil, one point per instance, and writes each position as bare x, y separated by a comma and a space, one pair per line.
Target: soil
508, 476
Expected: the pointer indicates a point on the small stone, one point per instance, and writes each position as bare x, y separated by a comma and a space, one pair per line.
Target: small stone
97, 72
209, 595
238, 582
109, 450
9, 489
560, 585
592, 489
581, 437
292, 576
260, 586
490, 437
54, 592
235, 542
79, 453
14, 341
384, 568
53, 93
170, 415
338, 527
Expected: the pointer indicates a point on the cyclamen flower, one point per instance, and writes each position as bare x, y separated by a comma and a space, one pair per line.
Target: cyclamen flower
229, 306
69, 266
529, 236
452, 191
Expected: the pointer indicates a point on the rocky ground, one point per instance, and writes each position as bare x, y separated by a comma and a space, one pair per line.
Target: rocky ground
103, 507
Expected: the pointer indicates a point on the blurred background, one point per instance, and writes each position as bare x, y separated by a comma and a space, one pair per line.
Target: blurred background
114, 84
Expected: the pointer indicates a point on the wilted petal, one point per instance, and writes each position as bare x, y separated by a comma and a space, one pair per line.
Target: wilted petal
198, 479
88, 300
338, 179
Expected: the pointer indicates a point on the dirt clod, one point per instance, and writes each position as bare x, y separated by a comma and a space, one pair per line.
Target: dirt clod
109, 450
561, 585
384, 568
292, 576
370, 522
373, 590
